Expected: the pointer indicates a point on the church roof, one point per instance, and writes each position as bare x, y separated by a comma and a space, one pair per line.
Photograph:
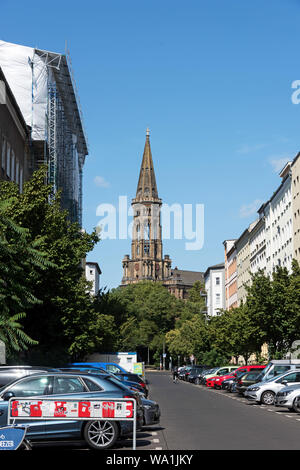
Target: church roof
185, 277
146, 188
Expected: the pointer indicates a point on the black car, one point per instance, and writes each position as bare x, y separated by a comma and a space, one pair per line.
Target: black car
247, 379
195, 373
129, 377
226, 384
10, 373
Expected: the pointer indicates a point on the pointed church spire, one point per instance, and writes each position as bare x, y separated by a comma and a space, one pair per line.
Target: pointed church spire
147, 188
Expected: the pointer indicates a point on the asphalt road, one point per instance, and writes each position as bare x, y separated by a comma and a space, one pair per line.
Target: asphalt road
197, 418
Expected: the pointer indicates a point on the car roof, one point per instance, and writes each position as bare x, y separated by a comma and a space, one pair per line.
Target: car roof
46, 368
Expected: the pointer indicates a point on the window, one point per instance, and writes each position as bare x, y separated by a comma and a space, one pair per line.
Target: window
112, 368
8, 160
3, 153
31, 387
218, 299
92, 386
217, 281
293, 377
64, 385
13, 165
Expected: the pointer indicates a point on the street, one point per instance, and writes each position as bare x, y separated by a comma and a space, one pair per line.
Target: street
194, 417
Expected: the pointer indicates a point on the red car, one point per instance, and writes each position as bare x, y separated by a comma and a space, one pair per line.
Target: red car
216, 381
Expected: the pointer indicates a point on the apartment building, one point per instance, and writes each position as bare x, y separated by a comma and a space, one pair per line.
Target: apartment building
214, 280
230, 267
279, 224
242, 245
257, 244
295, 168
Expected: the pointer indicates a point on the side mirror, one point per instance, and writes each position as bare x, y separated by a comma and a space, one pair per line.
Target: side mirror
284, 382
8, 395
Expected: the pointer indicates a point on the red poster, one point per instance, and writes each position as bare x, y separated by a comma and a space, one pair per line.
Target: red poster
84, 409
108, 409
129, 409
35, 410
60, 409
14, 408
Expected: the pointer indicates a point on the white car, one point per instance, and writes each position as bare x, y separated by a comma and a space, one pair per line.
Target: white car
264, 392
286, 397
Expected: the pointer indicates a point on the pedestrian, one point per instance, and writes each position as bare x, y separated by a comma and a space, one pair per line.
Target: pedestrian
175, 375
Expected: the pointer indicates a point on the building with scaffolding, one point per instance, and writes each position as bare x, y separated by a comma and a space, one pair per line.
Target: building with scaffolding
43, 85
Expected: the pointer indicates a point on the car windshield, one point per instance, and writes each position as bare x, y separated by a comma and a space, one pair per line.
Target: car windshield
272, 379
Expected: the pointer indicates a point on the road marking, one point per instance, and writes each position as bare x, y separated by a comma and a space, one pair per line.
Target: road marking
155, 440
154, 433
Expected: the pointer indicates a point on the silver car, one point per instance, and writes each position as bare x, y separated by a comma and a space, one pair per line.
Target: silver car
264, 392
286, 397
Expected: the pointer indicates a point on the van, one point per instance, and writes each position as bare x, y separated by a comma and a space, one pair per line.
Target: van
277, 367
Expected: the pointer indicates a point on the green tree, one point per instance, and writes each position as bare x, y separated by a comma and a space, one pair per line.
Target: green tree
65, 307
20, 262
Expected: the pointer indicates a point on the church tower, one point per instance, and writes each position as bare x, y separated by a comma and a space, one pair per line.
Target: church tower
146, 262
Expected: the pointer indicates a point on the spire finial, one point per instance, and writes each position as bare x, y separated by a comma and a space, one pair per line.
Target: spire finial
147, 132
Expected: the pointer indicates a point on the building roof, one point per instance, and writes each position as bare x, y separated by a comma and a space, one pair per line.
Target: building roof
215, 266
96, 265
187, 278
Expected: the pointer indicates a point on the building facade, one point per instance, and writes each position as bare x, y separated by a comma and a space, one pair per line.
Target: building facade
295, 168
92, 274
279, 225
14, 138
230, 267
242, 246
214, 281
257, 244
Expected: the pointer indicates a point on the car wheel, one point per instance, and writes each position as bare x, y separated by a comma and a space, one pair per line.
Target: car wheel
296, 407
267, 398
101, 434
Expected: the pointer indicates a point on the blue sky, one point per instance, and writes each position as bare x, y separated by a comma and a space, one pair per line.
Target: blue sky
212, 80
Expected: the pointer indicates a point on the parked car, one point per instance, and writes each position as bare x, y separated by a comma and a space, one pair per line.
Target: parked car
133, 378
245, 380
264, 392
183, 372
135, 386
98, 434
288, 397
151, 412
277, 367
227, 383
195, 373
10, 373
205, 373
108, 366
216, 382
220, 371
238, 373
